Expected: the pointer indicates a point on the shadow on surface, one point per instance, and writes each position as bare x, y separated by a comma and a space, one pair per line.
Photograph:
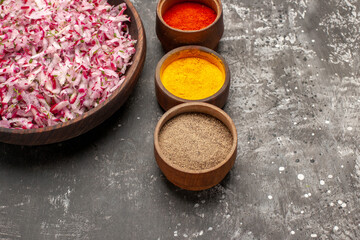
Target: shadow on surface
60, 153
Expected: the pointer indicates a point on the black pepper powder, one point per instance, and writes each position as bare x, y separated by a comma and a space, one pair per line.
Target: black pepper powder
195, 141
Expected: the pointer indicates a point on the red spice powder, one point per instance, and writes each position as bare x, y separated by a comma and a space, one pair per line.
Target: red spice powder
189, 16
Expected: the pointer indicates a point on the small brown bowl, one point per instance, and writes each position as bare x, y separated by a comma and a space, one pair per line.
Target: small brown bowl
168, 100
171, 38
191, 179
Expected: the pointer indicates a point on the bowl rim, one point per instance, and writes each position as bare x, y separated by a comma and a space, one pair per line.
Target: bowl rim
219, 12
196, 48
140, 43
201, 106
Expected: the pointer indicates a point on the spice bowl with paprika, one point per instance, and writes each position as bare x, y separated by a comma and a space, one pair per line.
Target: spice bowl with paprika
192, 74
195, 145
195, 22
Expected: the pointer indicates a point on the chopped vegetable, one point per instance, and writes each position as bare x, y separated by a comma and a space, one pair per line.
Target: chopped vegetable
59, 59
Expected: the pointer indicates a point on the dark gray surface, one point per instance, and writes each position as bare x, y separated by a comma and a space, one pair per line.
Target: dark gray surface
295, 101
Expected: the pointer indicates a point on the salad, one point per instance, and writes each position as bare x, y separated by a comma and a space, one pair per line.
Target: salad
59, 58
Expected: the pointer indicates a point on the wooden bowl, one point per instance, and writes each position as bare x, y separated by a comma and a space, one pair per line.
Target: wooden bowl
168, 100
190, 179
95, 116
171, 38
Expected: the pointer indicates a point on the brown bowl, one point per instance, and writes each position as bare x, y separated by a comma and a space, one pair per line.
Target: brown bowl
95, 116
168, 100
171, 38
190, 179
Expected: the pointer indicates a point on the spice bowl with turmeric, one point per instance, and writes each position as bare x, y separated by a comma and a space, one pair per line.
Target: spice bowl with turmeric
192, 74
195, 145
189, 22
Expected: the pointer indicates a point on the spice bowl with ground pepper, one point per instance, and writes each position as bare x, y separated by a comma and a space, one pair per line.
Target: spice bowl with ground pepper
192, 74
183, 22
195, 145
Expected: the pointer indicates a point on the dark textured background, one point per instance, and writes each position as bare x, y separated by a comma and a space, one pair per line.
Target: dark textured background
295, 100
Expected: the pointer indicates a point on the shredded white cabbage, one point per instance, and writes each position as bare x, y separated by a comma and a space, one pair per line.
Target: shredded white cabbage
59, 58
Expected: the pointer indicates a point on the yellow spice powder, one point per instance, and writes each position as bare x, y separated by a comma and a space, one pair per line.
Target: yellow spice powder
192, 78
